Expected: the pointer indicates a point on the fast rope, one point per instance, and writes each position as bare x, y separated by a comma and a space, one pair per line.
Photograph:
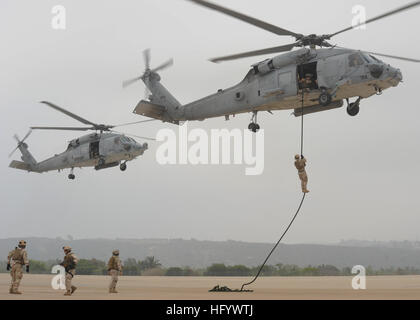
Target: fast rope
226, 289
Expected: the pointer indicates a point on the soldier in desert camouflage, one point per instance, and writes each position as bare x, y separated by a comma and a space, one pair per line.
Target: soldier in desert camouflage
16, 259
114, 269
69, 263
300, 164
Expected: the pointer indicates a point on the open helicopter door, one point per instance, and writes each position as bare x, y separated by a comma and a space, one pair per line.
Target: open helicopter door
94, 150
331, 70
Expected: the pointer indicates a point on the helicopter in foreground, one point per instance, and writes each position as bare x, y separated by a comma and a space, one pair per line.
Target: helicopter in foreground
306, 80
102, 150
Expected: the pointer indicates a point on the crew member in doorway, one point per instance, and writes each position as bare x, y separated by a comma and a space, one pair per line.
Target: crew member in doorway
300, 164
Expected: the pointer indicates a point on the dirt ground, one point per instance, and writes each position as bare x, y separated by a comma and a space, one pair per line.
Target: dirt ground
196, 288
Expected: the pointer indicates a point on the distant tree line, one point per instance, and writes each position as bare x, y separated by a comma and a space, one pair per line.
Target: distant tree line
150, 266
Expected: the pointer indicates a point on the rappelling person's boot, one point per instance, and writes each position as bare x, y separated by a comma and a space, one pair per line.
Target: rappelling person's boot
73, 289
68, 293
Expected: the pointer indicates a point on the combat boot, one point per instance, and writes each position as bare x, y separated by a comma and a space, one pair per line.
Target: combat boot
11, 290
73, 289
68, 293
114, 291
17, 292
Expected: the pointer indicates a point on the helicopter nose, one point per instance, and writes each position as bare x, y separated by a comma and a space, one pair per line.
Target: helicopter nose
398, 75
395, 75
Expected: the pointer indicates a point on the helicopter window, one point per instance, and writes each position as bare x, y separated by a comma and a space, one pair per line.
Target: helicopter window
374, 58
355, 60
366, 58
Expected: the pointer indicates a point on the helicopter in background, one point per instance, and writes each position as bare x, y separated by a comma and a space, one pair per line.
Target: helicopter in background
306, 80
102, 150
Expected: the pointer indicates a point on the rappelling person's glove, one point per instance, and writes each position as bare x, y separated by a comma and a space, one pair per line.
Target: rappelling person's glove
8, 267
27, 269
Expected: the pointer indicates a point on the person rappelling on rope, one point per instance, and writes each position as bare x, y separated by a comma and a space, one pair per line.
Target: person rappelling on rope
300, 164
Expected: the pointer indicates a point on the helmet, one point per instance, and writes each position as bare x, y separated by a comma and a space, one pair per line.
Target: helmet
116, 252
297, 157
66, 248
22, 243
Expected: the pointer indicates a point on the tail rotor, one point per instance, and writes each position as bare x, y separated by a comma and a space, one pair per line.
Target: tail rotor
148, 71
20, 142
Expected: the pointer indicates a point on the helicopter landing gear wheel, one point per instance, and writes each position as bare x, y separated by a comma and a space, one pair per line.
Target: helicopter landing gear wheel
324, 99
71, 175
123, 166
353, 109
254, 126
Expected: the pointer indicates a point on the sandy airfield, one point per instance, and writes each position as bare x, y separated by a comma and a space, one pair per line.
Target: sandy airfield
196, 288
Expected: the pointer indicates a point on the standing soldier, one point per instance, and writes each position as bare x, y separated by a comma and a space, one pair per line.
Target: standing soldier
114, 269
300, 164
15, 260
69, 264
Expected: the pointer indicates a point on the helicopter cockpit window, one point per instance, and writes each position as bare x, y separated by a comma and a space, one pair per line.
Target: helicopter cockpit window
374, 58
355, 60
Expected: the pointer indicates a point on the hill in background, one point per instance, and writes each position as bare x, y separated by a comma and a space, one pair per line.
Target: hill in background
199, 254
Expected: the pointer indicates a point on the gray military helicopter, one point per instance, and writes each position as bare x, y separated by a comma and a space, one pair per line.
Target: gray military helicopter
307, 80
102, 149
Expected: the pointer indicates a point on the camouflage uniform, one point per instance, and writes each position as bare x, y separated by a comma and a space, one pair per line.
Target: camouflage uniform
15, 260
69, 263
114, 269
300, 164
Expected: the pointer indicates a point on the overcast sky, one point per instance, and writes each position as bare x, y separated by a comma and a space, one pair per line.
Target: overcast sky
363, 171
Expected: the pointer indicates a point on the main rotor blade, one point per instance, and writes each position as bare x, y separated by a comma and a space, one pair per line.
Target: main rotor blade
165, 65
127, 83
258, 23
133, 135
146, 56
393, 57
130, 123
63, 128
387, 14
68, 113
287, 47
